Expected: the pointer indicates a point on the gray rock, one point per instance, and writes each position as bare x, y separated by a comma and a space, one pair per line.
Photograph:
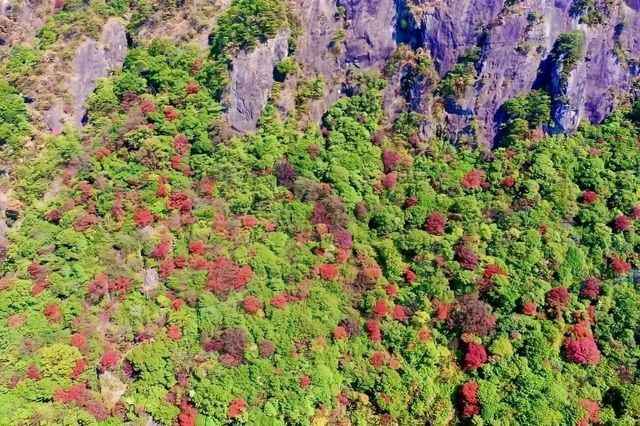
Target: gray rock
252, 80
371, 31
316, 55
151, 279
514, 51
111, 387
54, 116
94, 60
450, 27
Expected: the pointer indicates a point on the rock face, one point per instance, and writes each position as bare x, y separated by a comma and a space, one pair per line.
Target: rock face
371, 31
515, 42
450, 27
317, 54
252, 80
95, 60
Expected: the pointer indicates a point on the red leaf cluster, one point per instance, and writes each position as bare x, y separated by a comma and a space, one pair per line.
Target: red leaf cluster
79, 341
53, 216
367, 277
279, 301
142, 217
621, 224
373, 329
188, 414
197, 248
99, 286
225, 276
381, 308
436, 223
286, 174
342, 239
589, 197
529, 308
558, 298
389, 160
391, 290
473, 179
109, 360
328, 272
78, 368
36, 271
162, 250
442, 309
390, 180
39, 287
147, 106
120, 285
117, 210
378, 359
509, 182
79, 395
33, 373
591, 288
470, 404
582, 350
473, 316
409, 275
340, 333
170, 113
181, 145
619, 266
399, 313
411, 202
53, 313
236, 408
174, 332
593, 412
305, 381
489, 272
86, 221
466, 257
475, 357
180, 201
252, 304
192, 88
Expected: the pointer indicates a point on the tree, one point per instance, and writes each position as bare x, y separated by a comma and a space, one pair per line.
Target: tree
475, 356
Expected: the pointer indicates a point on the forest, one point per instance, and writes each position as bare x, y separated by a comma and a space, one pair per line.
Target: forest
346, 272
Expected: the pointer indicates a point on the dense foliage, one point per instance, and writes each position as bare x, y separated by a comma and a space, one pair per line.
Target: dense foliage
14, 121
343, 273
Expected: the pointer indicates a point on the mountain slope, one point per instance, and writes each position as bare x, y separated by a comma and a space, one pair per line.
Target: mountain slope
336, 265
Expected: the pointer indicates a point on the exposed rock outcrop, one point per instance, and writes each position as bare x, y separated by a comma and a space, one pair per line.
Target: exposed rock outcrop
371, 31
95, 60
516, 41
252, 80
111, 387
190, 23
318, 53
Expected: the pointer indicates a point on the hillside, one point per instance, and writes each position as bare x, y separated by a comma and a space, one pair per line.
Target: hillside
319, 213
